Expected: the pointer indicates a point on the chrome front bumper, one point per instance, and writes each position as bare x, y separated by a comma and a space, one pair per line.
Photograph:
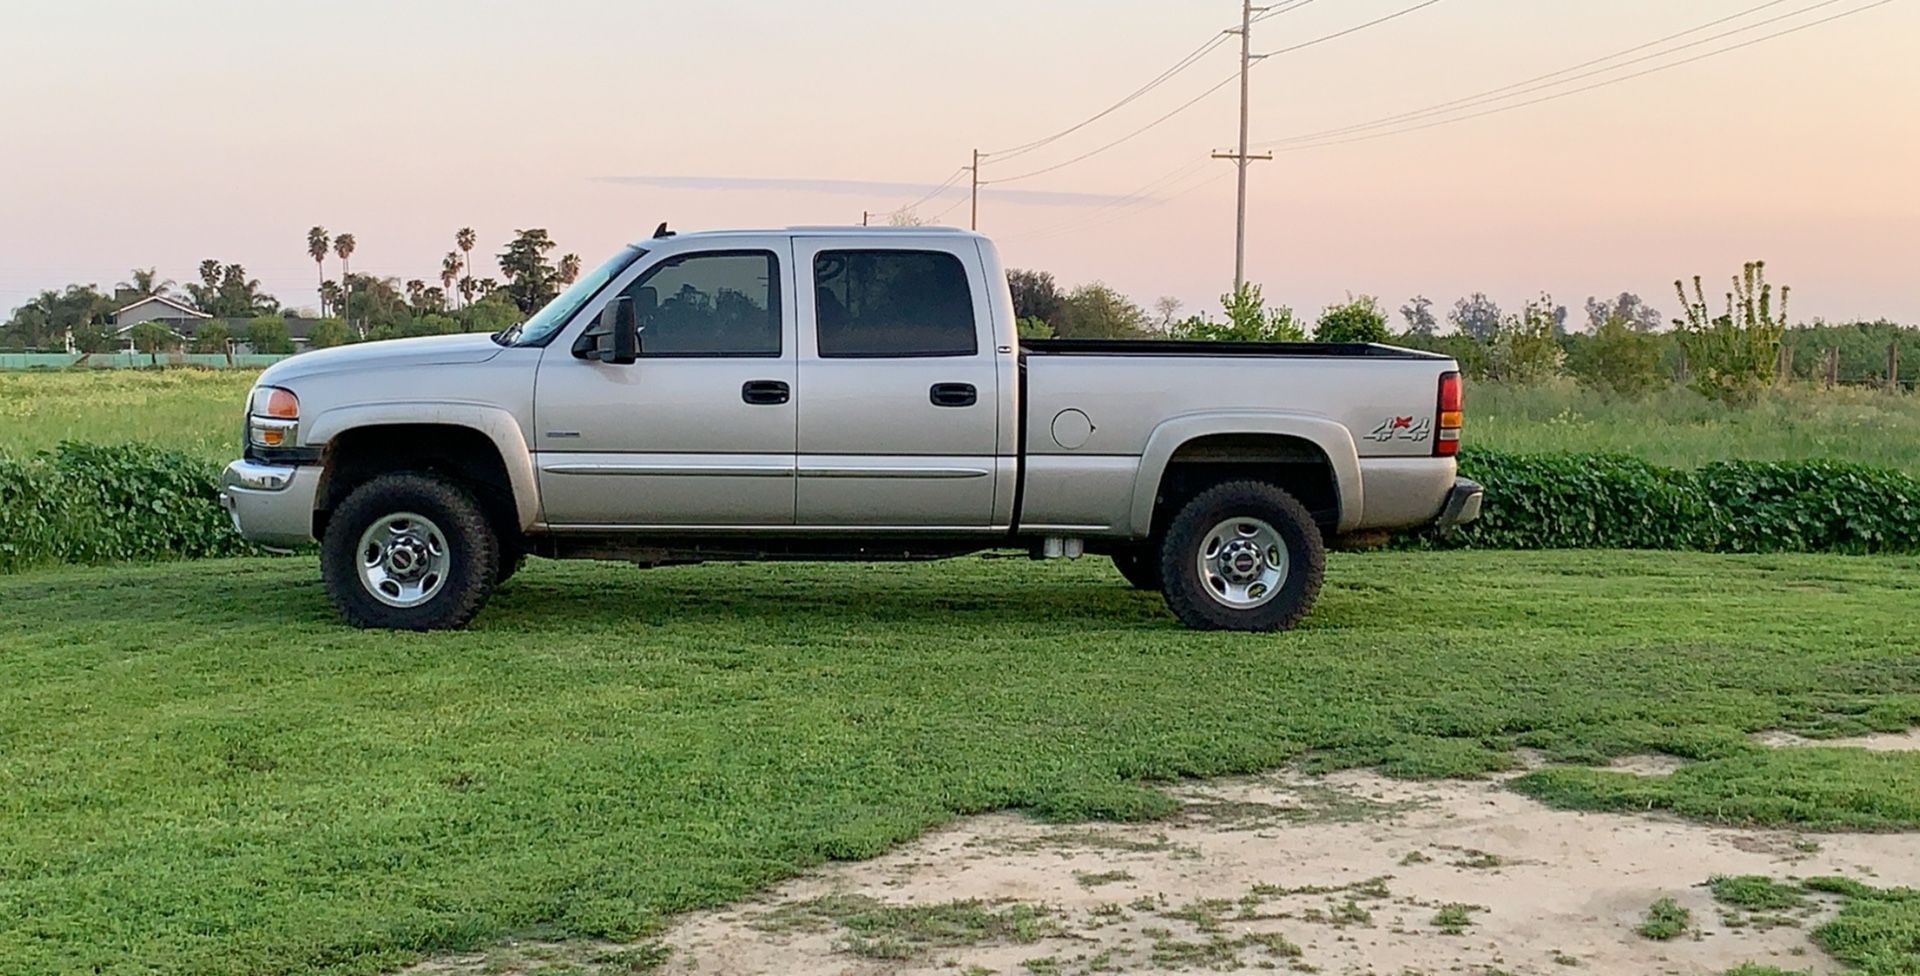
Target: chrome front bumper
1462, 506
271, 504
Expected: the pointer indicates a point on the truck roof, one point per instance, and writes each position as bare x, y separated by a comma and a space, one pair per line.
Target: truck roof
851, 230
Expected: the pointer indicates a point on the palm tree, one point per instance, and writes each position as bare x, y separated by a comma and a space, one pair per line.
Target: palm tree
317, 244
145, 282
464, 239
343, 246
415, 288
449, 270
569, 268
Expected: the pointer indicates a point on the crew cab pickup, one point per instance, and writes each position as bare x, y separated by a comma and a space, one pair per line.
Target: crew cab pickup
835, 393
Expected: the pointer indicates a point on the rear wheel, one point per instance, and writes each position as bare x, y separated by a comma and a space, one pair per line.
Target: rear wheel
409, 552
1141, 567
1243, 555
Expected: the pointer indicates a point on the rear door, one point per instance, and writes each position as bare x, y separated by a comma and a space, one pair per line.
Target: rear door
899, 384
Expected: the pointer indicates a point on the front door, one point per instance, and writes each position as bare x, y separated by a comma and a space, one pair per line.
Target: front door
899, 384
701, 430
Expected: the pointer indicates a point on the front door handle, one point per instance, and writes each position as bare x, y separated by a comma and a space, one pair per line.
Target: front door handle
953, 395
766, 392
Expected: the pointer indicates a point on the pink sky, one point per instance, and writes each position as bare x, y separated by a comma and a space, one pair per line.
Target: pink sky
160, 134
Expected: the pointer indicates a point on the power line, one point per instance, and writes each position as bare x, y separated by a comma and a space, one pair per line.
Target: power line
1140, 208
1230, 79
1351, 30
1224, 82
1166, 179
951, 180
1183, 64
1596, 85
1543, 82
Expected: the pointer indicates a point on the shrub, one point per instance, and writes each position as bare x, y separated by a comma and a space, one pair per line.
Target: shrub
327, 333
1356, 320
1619, 358
267, 335
1249, 319
1601, 501
211, 337
1732, 356
1524, 349
87, 503
1096, 311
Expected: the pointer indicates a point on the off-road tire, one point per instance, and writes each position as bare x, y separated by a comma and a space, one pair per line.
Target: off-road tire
472, 546
1187, 593
1140, 566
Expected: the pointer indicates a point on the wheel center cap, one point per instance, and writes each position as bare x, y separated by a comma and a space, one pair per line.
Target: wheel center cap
1243, 561
405, 558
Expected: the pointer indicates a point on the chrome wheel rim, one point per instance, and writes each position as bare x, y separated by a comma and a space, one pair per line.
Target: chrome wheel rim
1243, 563
403, 559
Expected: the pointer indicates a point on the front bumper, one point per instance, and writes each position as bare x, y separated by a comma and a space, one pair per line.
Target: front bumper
271, 504
1462, 506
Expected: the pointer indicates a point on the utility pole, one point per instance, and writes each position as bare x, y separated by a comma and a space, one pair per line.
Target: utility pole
1241, 158
974, 224
864, 214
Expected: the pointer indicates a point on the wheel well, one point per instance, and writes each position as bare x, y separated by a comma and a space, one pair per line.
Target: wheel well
463, 454
1294, 464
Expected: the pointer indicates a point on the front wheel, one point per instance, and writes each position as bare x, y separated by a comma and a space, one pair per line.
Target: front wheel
1243, 555
409, 552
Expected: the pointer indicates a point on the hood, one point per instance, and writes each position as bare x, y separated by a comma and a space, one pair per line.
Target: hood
387, 354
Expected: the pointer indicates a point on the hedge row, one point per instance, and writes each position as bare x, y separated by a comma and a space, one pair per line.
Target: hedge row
1606, 501
87, 503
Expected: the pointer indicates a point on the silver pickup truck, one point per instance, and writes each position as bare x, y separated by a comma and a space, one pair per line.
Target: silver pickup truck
835, 393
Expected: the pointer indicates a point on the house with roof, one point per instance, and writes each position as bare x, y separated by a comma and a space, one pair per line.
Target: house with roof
179, 317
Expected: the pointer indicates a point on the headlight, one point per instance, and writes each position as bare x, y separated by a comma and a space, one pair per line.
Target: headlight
273, 417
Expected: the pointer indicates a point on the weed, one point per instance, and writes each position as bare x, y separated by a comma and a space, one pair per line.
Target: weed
1666, 919
1454, 918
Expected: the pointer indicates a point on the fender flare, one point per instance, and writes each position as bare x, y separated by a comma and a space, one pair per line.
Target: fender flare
496, 424
1331, 437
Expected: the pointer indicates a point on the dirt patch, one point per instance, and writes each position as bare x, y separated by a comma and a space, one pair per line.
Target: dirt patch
1908, 741
1352, 873
1651, 764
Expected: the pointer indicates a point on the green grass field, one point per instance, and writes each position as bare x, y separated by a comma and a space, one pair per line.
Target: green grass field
197, 411
202, 772
190, 410
1682, 429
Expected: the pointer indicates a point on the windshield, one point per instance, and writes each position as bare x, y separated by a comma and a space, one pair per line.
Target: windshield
557, 313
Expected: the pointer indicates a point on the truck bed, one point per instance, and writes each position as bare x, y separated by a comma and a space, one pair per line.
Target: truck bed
1202, 347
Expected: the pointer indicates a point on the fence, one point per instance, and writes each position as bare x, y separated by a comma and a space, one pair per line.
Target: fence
129, 360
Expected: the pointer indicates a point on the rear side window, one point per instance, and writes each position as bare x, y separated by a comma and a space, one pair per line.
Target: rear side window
880, 304
714, 303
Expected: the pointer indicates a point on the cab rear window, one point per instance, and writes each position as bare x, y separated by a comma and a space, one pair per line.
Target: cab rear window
892, 304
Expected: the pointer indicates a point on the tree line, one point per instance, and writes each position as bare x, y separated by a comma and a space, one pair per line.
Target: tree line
1731, 351
352, 306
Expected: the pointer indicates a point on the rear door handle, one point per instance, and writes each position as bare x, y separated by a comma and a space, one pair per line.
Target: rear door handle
953, 395
766, 392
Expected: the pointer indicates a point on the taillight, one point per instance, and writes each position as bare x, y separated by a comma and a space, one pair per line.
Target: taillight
1446, 441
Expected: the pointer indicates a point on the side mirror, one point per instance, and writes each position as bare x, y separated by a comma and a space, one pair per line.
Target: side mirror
619, 328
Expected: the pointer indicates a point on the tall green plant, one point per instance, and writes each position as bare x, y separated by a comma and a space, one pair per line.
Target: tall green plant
1249, 319
1355, 320
1524, 349
1619, 358
1731, 357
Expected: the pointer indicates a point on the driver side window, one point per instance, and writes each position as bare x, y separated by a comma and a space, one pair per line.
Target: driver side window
710, 304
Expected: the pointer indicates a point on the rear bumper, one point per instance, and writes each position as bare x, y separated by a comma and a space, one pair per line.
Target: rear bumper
1462, 505
271, 505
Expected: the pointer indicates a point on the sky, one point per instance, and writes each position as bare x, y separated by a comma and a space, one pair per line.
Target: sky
140, 134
